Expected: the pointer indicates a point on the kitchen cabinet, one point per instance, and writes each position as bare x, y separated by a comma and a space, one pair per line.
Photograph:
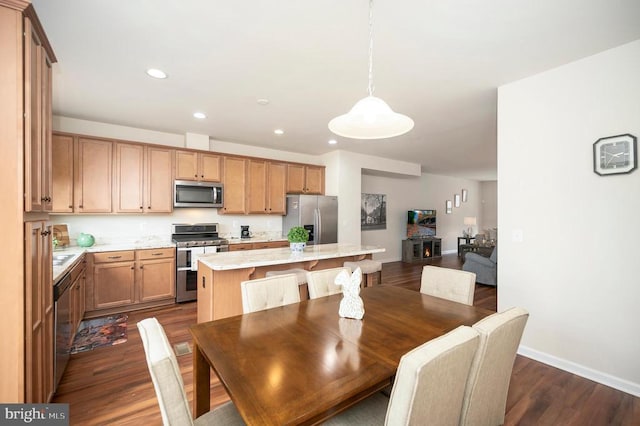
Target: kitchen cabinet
37, 126
234, 180
77, 292
266, 187
198, 166
92, 175
258, 245
305, 179
143, 179
39, 313
124, 280
62, 173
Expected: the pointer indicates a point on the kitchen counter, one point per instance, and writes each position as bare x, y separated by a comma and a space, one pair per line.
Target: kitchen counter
220, 274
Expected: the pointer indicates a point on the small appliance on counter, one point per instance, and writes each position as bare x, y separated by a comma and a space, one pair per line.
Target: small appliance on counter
244, 232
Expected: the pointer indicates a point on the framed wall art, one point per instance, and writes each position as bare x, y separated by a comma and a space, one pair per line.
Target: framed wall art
373, 212
448, 206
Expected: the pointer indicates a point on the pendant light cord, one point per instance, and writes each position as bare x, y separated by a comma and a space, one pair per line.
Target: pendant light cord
370, 89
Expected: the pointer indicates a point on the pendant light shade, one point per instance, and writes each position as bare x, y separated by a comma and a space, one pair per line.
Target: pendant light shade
371, 117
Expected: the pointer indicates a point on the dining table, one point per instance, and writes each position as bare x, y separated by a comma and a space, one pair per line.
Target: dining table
302, 363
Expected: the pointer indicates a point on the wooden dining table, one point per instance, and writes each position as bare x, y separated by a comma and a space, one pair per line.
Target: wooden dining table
302, 363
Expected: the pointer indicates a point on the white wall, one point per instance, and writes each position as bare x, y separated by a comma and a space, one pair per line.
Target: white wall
575, 268
489, 211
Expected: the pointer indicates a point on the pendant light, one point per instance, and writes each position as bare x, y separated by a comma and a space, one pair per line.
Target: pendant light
371, 117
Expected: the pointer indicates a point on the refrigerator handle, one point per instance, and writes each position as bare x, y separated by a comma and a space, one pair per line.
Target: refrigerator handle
317, 226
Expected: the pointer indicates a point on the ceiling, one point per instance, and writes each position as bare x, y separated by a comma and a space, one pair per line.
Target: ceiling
439, 62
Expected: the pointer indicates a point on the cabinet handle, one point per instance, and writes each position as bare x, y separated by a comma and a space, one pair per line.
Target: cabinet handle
70, 207
202, 176
81, 206
141, 207
149, 208
203, 286
114, 257
195, 176
132, 268
156, 254
141, 266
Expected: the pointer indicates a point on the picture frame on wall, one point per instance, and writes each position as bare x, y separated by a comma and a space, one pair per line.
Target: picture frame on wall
464, 195
373, 212
448, 206
456, 200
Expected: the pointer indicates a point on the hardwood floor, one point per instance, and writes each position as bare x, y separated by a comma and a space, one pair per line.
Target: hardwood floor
109, 386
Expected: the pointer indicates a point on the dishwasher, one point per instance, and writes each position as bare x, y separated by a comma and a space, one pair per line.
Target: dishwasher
63, 332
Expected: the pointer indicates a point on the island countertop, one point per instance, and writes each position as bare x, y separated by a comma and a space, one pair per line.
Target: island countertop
279, 256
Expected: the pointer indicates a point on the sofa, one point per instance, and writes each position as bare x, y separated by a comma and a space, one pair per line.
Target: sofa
485, 268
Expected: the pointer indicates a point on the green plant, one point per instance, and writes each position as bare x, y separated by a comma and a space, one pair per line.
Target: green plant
298, 234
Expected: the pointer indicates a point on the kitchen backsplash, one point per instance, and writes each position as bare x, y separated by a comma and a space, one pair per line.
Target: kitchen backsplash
114, 229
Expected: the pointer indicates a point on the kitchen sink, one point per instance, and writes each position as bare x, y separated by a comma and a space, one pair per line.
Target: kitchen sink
61, 259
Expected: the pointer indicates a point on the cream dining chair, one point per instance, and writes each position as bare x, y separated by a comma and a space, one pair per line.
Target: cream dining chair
452, 284
428, 388
269, 292
323, 282
168, 384
488, 384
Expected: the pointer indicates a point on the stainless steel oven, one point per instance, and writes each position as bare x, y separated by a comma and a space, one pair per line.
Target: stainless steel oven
192, 240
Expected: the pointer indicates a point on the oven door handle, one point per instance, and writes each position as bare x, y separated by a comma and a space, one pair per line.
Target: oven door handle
186, 268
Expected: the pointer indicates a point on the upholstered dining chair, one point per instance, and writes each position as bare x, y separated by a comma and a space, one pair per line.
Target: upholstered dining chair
452, 284
428, 388
488, 384
168, 384
269, 292
323, 282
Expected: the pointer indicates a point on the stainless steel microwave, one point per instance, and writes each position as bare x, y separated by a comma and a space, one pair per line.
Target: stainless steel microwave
197, 194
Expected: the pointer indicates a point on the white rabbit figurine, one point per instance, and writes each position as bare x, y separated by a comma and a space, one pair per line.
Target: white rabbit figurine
351, 305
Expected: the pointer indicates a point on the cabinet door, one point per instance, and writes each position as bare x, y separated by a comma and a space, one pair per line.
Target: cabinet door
295, 178
186, 165
210, 167
62, 169
129, 182
314, 180
234, 185
92, 174
159, 180
113, 284
156, 279
277, 188
257, 186
239, 247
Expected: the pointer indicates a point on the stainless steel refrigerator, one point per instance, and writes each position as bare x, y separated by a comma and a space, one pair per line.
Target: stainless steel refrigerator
316, 213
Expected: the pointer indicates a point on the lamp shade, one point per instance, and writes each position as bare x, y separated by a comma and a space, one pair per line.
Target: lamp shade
470, 221
371, 118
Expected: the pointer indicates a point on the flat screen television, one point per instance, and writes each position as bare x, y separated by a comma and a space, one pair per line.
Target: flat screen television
421, 223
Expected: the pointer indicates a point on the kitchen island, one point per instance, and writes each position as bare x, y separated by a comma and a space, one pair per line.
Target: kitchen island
220, 274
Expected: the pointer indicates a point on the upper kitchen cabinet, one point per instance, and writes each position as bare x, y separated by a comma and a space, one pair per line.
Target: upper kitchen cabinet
143, 179
266, 187
37, 116
235, 180
62, 172
305, 179
92, 175
198, 166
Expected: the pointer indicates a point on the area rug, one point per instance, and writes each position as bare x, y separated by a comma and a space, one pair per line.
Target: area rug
99, 332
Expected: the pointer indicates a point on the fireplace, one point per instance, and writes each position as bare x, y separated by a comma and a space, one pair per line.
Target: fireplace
426, 251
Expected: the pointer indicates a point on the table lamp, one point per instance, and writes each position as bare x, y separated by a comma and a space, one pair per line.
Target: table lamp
470, 222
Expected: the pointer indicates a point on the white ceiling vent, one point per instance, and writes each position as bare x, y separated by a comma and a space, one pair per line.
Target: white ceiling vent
196, 141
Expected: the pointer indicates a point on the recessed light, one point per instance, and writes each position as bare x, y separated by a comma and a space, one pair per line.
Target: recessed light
278, 132
156, 73
263, 101
199, 115
332, 141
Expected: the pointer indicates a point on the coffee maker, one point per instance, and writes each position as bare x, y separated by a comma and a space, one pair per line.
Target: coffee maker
244, 232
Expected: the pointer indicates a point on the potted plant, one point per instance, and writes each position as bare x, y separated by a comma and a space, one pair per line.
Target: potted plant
298, 237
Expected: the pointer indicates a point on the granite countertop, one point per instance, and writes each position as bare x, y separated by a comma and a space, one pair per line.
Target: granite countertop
76, 252
277, 256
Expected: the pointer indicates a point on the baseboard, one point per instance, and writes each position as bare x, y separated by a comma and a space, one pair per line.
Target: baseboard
580, 370
450, 251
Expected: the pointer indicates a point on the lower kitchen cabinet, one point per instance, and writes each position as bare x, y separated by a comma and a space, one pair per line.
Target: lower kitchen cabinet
77, 289
125, 280
259, 245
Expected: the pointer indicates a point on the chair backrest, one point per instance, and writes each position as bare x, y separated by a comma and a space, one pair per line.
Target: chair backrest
451, 284
165, 374
488, 384
430, 382
270, 292
323, 282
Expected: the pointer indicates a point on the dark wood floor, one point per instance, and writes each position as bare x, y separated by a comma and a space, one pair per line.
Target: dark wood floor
109, 386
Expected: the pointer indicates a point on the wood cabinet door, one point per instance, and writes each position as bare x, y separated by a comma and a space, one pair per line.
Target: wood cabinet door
257, 186
92, 176
156, 279
113, 284
295, 178
277, 188
240, 246
129, 178
159, 180
186, 165
210, 167
234, 185
314, 180
62, 173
